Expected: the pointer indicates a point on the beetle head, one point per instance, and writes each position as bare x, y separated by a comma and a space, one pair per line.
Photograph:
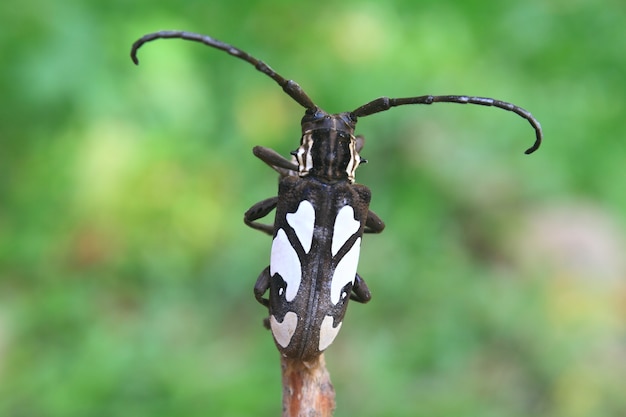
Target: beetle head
328, 150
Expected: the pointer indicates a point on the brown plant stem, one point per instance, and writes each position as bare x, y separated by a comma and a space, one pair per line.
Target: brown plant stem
307, 389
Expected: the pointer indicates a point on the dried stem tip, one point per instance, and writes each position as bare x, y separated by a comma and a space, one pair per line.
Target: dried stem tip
307, 389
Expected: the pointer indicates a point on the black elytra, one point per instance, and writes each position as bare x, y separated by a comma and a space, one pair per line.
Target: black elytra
321, 214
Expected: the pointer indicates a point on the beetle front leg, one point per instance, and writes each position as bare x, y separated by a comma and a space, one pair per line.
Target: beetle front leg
373, 223
276, 161
258, 211
360, 292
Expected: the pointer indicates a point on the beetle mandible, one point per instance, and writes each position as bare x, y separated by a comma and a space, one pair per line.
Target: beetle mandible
321, 214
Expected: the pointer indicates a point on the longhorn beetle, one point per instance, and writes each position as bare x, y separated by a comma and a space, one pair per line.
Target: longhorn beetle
321, 214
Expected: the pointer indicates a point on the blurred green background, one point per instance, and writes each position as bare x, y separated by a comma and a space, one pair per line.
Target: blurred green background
126, 271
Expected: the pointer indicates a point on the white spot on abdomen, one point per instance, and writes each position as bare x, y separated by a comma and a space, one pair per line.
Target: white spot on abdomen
327, 332
285, 262
283, 331
345, 272
345, 226
302, 222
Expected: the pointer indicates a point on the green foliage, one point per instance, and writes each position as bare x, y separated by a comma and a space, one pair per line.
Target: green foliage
126, 272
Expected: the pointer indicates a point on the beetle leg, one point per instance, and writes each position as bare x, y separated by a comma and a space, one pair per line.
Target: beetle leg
261, 286
258, 211
360, 142
373, 223
360, 292
276, 161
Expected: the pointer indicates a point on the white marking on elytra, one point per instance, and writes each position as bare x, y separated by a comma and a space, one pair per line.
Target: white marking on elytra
303, 222
285, 262
345, 271
345, 226
283, 331
327, 332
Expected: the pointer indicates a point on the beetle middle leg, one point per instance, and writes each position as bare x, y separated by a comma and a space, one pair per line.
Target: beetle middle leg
261, 209
258, 211
360, 292
260, 287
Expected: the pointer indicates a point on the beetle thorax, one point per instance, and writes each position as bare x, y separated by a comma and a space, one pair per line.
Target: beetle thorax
328, 149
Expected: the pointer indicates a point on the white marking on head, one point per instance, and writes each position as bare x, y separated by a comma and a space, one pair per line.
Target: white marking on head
345, 226
303, 222
355, 159
303, 154
283, 331
345, 272
285, 262
328, 332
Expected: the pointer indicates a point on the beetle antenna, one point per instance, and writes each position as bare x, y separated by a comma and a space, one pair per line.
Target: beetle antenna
289, 86
385, 103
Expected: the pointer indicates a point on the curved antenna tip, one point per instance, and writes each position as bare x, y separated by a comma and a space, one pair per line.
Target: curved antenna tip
133, 52
531, 149
534, 147
537, 143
